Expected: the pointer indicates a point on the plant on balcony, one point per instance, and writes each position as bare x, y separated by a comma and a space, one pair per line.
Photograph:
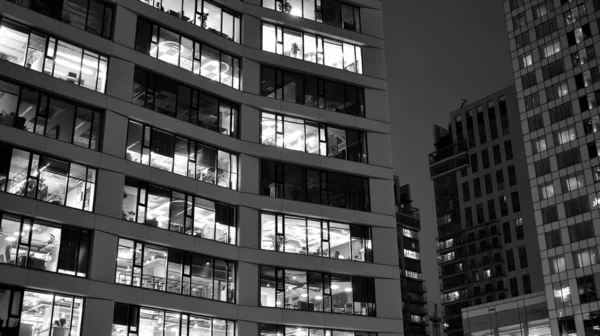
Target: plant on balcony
285, 6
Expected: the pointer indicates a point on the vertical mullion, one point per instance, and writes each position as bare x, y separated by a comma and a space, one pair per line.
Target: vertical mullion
87, 15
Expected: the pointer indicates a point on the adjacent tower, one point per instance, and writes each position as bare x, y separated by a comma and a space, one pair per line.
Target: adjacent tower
486, 236
196, 167
554, 47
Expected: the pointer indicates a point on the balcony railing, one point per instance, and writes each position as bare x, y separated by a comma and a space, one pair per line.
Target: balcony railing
447, 152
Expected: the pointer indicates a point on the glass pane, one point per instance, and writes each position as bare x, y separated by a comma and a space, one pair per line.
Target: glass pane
159, 201
336, 142
175, 272
13, 42
172, 322
315, 291
210, 64
61, 116
341, 294
52, 185
168, 47
154, 270
220, 280
296, 290
202, 276
295, 235
124, 262
333, 54
36, 51
162, 148
9, 96
75, 11
268, 231
44, 246
134, 142
204, 218
37, 319
314, 237
293, 44
68, 63
269, 37
84, 127
293, 132
151, 322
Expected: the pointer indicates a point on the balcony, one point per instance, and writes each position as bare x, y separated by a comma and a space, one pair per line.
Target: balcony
447, 152
408, 215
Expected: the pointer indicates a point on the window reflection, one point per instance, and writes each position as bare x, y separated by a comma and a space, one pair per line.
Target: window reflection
180, 51
315, 237
133, 320
47, 179
175, 100
331, 12
170, 210
311, 91
147, 266
312, 291
54, 57
329, 52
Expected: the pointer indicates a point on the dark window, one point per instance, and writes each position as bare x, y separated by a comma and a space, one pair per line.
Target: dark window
480, 213
503, 205
523, 257
526, 284
528, 80
477, 187
514, 287
576, 206
506, 232
592, 148
491, 209
497, 155
560, 112
591, 125
519, 20
587, 78
579, 34
481, 125
553, 239
485, 159
532, 101
553, 69
566, 326
542, 9
474, 165
586, 288
581, 231
542, 167
546, 28
488, 184
549, 214
499, 179
503, 115
596, 174
556, 91
508, 151
522, 40
312, 91
583, 56
160, 94
512, 176
492, 119
469, 216
535, 123
514, 4
466, 193
516, 205
307, 185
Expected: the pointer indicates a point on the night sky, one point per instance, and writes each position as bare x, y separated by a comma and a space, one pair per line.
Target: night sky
438, 52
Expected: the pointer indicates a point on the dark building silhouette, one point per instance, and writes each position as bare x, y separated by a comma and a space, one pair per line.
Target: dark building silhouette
487, 246
414, 298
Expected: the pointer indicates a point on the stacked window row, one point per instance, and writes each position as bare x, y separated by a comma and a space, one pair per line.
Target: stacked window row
156, 148
285, 330
313, 291
312, 91
312, 48
93, 16
47, 179
331, 12
492, 122
489, 187
40, 245
167, 209
174, 99
202, 13
497, 155
298, 183
491, 207
313, 137
300, 235
159, 268
40, 113
59, 59
178, 50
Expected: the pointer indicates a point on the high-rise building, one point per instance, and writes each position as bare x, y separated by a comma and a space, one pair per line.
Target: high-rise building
196, 167
414, 299
554, 47
486, 236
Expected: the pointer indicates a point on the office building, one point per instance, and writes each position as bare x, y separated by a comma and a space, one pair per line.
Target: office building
487, 249
554, 47
414, 298
196, 167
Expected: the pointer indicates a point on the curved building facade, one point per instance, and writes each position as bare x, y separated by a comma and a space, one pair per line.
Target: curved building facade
195, 167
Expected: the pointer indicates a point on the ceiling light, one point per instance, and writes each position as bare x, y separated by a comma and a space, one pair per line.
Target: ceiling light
11, 239
335, 286
348, 289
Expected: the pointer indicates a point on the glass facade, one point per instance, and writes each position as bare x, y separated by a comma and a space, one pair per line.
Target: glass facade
162, 269
43, 246
171, 98
315, 237
28, 312
35, 111
312, 137
314, 186
180, 51
175, 211
311, 48
313, 291
331, 12
205, 14
93, 16
129, 320
47, 179
163, 150
42, 53
286, 330
312, 91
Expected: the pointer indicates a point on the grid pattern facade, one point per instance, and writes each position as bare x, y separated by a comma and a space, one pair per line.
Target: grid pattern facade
169, 168
553, 49
485, 222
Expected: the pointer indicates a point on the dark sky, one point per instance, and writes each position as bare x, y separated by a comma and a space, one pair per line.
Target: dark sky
438, 51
